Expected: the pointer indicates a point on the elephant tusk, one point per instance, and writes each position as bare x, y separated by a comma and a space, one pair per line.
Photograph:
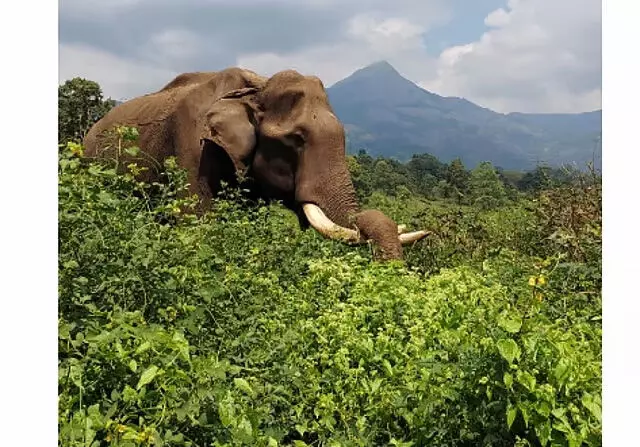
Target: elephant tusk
327, 227
414, 236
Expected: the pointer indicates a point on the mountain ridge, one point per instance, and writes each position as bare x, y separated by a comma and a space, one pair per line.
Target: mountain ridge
389, 115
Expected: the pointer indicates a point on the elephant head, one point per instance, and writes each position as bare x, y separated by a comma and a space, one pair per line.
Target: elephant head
285, 136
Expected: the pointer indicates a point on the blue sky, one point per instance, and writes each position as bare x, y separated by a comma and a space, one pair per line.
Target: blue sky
465, 25
509, 55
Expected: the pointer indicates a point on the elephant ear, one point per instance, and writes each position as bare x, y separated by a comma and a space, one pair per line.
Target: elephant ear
230, 125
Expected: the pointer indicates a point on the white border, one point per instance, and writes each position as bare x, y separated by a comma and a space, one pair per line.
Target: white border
621, 268
28, 184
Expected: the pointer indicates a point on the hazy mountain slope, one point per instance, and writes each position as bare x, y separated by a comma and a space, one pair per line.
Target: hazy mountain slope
389, 115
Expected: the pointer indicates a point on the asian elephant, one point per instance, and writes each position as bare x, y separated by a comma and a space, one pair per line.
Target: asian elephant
280, 132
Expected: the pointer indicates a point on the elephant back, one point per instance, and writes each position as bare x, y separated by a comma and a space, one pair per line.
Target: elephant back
168, 120
152, 114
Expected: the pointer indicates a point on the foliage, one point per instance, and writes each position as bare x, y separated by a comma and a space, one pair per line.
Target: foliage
485, 186
458, 179
80, 105
426, 169
486, 189
237, 328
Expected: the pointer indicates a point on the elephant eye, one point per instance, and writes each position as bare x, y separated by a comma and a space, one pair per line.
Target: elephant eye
296, 139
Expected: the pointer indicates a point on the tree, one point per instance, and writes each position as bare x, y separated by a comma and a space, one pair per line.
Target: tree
383, 176
536, 180
458, 177
80, 105
364, 159
360, 177
425, 171
485, 187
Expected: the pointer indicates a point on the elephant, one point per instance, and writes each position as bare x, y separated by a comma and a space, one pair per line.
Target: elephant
280, 132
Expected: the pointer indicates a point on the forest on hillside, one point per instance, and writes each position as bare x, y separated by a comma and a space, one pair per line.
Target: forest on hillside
238, 328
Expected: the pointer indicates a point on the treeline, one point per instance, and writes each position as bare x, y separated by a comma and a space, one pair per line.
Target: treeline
484, 185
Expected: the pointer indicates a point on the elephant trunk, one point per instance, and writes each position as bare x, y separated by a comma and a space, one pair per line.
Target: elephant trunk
330, 205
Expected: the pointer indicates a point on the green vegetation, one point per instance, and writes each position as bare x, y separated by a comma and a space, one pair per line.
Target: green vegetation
237, 328
80, 104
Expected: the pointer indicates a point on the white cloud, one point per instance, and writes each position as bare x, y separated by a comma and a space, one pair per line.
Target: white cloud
539, 56
386, 35
119, 78
497, 18
329, 38
328, 63
368, 39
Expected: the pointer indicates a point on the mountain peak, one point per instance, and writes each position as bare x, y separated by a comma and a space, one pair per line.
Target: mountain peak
376, 74
380, 66
390, 115
379, 83
377, 69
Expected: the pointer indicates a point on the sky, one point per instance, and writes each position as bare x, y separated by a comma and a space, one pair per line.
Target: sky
537, 56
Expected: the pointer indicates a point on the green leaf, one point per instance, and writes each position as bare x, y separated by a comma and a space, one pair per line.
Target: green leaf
226, 412
143, 347
560, 371
512, 412
130, 435
525, 414
387, 367
543, 408
396, 443
559, 413
72, 264
75, 374
133, 150
129, 394
527, 380
590, 404
111, 411
133, 365
375, 385
147, 376
508, 380
511, 325
243, 385
543, 432
508, 349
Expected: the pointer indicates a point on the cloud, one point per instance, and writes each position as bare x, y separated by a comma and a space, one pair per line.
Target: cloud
387, 35
366, 40
369, 34
119, 78
223, 29
538, 56
330, 38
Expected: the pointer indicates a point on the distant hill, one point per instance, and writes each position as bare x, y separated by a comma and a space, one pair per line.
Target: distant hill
391, 116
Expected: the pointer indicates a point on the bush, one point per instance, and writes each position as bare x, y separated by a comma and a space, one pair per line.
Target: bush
237, 328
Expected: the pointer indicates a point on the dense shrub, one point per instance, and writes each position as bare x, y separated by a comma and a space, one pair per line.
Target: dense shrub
237, 328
